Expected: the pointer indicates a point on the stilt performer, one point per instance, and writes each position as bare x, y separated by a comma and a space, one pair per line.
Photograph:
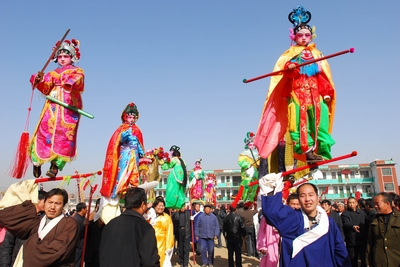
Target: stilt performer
301, 100
121, 166
55, 137
197, 182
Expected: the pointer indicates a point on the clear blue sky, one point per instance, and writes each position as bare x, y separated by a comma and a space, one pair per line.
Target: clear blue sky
182, 63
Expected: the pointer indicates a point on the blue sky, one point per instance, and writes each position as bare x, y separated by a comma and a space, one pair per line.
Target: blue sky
182, 63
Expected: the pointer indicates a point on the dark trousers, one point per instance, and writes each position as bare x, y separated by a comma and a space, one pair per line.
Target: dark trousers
234, 246
250, 240
356, 252
207, 251
78, 253
184, 247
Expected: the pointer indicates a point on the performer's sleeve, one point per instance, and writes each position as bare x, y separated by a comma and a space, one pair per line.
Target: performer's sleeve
341, 254
20, 219
170, 234
282, 217
53, 251
324, 87
262, 235
169, 165
291, 73
149, 253
75, 79
46, 85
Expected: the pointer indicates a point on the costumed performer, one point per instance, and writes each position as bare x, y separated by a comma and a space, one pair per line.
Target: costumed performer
248, 168
164, 229
211, 196
196, 179
51, 239
55, 136
177, 180
301, 100
268, 244
121, 166
309, 237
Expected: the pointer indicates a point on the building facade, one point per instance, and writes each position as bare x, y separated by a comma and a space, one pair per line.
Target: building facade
337, 184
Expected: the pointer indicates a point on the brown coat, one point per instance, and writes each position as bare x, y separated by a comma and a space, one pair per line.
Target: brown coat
383, 249
57, 248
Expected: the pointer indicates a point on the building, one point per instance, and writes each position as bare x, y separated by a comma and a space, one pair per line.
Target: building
337, 184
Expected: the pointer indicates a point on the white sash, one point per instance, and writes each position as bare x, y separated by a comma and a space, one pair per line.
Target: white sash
310, 236
44, 230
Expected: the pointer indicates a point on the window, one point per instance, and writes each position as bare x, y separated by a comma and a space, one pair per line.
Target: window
236, 180
222, 193
364, 174
323, 175
352, 174
165, 180
228, 179
333, 174
389, 187
335, 190
353, 189
386, 171
223, 179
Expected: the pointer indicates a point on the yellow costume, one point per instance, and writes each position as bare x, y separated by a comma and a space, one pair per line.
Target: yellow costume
164, 229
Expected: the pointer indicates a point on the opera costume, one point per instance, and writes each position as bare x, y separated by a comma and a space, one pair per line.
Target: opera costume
164, 229
196, 179
55, 137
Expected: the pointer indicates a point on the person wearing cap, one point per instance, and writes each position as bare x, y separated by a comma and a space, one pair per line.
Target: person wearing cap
206, 230
300, 100
55, 136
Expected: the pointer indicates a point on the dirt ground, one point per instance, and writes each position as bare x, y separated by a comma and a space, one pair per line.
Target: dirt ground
220, 259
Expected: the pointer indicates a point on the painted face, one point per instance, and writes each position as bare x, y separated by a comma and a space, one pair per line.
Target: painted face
130, 119
308, 200
303, 37
294, 204
159, 209
64, 59
382, 207
53, 206
197, 164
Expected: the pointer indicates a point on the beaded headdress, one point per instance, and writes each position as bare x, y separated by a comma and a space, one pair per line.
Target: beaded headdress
68, 47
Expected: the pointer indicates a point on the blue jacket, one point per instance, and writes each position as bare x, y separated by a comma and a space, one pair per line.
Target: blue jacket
207, 226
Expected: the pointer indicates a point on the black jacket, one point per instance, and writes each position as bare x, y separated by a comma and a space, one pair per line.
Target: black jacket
233, 227
351, 218
188, 225
129, 240
338, 220
220, 214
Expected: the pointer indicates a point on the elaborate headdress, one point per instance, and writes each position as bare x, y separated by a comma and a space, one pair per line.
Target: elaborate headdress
69, 47
299, 17
131, 109
174, 148
198, 160
249, 139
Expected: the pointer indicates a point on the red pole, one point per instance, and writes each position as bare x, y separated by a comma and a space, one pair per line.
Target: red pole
191, 224
41, 180
351, 50
313, 165
92, 190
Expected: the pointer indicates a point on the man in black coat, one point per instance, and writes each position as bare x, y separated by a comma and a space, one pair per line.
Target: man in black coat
234, 230
129, 240
355, 232
182, 220
327, 206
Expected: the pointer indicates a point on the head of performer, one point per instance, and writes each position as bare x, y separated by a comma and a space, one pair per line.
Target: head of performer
308, 198
67, 53
293, 201
130, 114
136, 199
197, 164
159, 206
301, 33
54, 202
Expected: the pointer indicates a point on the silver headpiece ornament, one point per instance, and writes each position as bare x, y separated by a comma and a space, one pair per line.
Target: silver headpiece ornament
69, 47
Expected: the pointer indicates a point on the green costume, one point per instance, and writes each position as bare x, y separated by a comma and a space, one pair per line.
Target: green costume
175, 192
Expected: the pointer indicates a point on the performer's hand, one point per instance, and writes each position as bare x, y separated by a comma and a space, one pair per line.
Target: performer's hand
292, 66
263, 251
39, 77
327, 98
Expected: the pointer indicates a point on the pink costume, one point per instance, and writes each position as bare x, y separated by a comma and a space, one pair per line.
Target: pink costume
55, 135
268, 240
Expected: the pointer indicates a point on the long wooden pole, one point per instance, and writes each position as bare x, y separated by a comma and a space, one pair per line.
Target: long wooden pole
41, 180
351, 50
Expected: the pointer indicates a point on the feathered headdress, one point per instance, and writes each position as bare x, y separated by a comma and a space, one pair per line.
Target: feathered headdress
299, 17
69, 47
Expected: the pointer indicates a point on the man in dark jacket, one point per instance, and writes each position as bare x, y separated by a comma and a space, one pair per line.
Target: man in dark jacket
355, 232
327, 206
182, 221
233, 229
129, 240
220, 214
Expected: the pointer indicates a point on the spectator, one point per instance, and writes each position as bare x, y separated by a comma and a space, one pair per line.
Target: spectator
129, 240
93, 239
81, 210
207, 229
341, 208
195, 215
52, 239
369, 211
233, 230
220, 214
182, 220
326, 205
355, 232
383, 247
250, 240
293, 201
